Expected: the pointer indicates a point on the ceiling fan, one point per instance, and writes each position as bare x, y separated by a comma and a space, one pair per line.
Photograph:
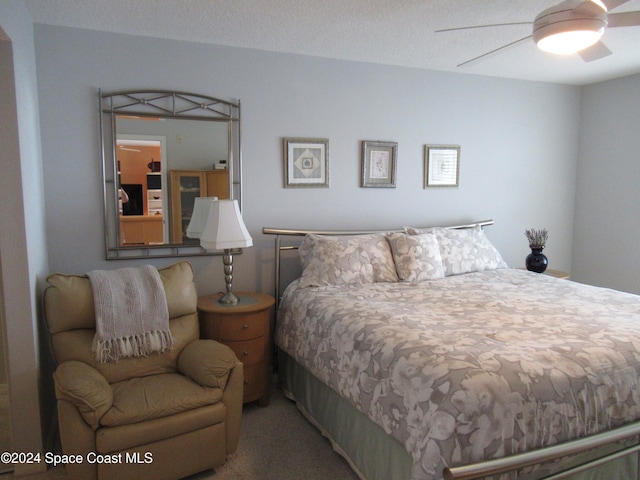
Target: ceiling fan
572, 26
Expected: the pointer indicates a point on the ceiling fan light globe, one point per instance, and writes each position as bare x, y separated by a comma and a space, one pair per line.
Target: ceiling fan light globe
601, 5
566, 43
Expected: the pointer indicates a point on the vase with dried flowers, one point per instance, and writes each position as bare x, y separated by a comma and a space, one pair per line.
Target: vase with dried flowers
536, 261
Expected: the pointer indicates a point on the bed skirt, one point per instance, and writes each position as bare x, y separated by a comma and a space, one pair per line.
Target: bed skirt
372, 454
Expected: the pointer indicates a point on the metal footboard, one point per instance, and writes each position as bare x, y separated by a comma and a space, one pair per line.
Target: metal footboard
567, 449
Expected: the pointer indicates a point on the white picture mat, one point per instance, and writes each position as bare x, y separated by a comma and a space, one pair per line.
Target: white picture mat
442, 166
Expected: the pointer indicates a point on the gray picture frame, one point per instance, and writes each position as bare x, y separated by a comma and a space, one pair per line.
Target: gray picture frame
379, 164
306, 162
441, 166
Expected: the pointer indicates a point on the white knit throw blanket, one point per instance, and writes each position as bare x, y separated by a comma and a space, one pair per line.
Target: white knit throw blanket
132, 318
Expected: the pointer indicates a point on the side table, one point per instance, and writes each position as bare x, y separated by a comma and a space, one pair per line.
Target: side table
555, 273
245, 328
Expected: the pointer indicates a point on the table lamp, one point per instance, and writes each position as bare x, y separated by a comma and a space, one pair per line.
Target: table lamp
225, 230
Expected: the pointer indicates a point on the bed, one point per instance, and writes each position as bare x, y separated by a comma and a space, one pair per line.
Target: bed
422, 356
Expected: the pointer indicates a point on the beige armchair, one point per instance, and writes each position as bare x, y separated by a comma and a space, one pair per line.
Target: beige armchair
164, 416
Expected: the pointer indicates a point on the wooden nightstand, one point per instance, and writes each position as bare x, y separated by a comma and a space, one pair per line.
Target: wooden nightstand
245, 328
557, 273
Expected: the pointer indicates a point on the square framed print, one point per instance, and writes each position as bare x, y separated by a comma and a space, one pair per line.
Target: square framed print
441, 166
379, 163
306, 162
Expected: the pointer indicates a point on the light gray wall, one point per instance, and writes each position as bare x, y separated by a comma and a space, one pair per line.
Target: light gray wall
23, 251
518, 162
607, 227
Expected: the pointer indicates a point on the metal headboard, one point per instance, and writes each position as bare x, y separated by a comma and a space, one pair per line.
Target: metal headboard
286, 232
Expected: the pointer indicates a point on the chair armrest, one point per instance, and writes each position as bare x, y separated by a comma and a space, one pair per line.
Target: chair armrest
84, 387
207, 363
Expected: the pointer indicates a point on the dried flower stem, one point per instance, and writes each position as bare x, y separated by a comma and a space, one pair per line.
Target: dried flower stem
537, 238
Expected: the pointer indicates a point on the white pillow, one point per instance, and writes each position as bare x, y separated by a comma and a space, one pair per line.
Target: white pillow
465, 250
417, 257
344, 260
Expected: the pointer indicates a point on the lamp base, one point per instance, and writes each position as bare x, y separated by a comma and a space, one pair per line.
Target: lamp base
229, 299
244, 299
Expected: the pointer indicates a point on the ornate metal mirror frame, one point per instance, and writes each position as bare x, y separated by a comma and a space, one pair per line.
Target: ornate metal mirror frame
118, 109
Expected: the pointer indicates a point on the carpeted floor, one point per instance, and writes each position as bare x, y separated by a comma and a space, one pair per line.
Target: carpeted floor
276, 443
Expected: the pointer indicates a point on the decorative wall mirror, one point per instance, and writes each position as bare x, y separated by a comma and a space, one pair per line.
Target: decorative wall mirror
160, 151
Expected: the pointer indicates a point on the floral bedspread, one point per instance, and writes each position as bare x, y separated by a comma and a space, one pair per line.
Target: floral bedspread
473, 366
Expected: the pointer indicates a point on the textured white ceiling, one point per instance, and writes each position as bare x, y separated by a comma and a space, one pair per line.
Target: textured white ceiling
394, 32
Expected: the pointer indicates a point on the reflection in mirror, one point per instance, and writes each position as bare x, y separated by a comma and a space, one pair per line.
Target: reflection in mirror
139, 160
161, 151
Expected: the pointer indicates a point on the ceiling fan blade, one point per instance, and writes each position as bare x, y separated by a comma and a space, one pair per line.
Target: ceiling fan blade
494, 51
481, 26
624, 19
611, 4
594, 52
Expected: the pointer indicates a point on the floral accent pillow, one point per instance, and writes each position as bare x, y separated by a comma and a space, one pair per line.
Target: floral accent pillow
417, 257
464, 250
344, 260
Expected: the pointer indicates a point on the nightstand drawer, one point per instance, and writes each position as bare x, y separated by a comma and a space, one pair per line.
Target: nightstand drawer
249, 351
241, 327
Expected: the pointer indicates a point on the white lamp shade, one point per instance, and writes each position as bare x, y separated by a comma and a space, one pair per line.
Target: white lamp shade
201, 209
224, 228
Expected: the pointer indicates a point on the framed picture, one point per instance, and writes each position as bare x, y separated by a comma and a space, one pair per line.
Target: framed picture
379, 164
441, 166
306, 162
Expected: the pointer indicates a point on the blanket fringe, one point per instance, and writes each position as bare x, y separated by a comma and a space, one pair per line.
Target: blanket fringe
156, 341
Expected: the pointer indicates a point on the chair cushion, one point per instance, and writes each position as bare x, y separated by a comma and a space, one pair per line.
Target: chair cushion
123, 437
69, 299
155, 396
70, 317
76, 345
